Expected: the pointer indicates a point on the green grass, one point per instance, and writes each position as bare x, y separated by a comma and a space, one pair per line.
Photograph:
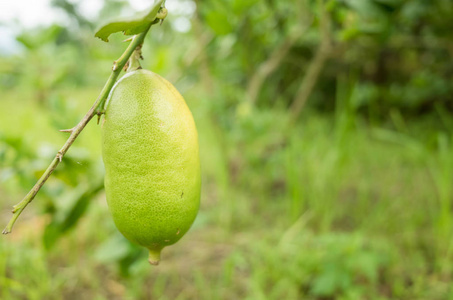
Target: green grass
332, 208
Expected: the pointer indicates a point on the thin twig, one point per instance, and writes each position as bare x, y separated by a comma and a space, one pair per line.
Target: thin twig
96, 109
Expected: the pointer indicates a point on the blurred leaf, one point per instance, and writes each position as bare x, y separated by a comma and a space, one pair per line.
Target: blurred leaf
51, 234
389, 3
349, 33
331, 280
71, 10
117, 249
130, 26
36, 38
366, 7
366, 263
58, 227
80, 207
219, 22
134, 254
113, 249
239, 6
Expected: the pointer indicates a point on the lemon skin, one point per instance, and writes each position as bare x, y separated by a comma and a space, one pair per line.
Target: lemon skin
151, 158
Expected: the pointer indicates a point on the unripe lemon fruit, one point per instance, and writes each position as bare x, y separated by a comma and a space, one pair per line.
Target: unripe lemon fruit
150, 152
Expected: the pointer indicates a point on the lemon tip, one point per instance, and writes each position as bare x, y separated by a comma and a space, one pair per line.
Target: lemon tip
154, 257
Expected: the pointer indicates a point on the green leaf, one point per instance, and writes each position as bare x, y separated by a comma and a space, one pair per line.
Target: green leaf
60, 225
51, 234
113, 249
80, 207
130, 26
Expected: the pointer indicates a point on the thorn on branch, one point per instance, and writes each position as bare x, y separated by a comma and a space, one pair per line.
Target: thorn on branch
115, 66
126, 66
128, 40
99, 114
67, 130
59, 156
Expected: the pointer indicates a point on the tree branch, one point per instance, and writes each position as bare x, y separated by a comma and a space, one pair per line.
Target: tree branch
274, 60
316, 65
96, 109
269, 66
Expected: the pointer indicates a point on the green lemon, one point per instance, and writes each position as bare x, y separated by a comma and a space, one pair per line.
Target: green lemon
152, 164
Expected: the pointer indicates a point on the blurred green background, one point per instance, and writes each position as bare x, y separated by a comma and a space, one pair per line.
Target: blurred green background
326, 137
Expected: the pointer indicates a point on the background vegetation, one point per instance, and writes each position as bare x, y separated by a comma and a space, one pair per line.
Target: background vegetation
326, 137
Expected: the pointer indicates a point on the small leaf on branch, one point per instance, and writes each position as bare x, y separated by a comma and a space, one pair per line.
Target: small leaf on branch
130, 26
